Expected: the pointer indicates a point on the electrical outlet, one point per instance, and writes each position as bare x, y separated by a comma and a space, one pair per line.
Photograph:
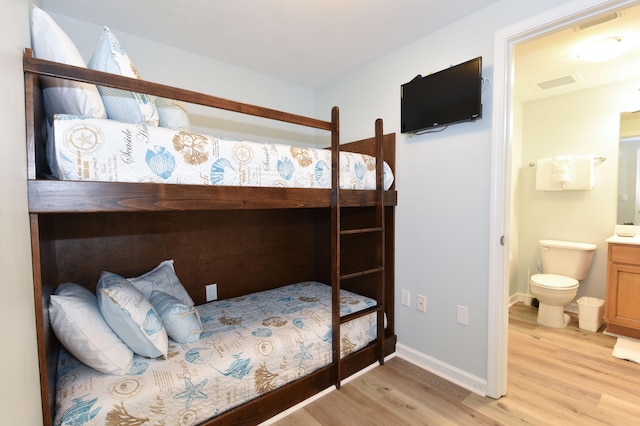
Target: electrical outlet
406, 298
462, 315
421, 303
211, 292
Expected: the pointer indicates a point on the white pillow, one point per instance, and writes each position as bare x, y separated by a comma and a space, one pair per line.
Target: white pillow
181, 321
121, 105
173, 114
50, 42
162, 278
80, 327
131, 316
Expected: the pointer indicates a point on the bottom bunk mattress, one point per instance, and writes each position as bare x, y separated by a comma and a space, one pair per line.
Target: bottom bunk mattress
250, 345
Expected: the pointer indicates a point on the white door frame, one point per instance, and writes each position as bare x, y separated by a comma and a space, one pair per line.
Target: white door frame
501, 125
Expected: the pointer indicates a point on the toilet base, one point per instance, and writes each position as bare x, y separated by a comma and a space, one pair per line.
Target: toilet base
552, 316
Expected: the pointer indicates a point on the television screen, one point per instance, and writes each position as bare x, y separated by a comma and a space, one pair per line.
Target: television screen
449, 96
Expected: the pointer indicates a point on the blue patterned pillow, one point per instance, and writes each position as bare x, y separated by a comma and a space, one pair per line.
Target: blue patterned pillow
173, 114
131, 316
162, 278
121, 105
181, 321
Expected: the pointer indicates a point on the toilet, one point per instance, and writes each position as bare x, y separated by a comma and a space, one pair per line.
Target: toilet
564, 264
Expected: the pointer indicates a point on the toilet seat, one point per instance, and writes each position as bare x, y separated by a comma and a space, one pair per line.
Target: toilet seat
554, 282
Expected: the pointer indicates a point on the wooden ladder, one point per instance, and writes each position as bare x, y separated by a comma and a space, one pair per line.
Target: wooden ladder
358, 254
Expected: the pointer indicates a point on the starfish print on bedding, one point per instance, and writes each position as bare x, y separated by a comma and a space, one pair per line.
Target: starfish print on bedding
192, 392
304, 353
85, 138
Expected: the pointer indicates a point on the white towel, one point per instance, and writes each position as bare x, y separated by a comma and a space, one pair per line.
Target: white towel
544, 176
581, 171
627, 348
562, 168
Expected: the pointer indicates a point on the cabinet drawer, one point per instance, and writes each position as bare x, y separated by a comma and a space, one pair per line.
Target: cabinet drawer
624, 253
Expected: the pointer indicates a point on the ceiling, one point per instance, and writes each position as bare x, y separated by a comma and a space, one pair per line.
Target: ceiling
312, 42
552, 61
306, 42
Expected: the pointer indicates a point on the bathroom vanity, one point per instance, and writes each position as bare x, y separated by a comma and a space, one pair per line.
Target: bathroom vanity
622, 304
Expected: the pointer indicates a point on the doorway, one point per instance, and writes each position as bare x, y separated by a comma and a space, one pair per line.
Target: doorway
502, 132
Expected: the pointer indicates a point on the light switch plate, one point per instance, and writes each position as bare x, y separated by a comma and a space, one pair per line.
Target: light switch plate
406, 298
212, 292
421, 303
462, 315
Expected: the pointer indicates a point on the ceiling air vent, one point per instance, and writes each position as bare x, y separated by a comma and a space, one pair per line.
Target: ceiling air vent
557, 82
600, 20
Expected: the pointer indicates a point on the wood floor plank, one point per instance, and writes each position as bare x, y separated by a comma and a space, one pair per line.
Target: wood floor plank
412, 404
555, 377
300, 417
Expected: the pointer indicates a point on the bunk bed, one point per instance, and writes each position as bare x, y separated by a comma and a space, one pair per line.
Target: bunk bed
246, 239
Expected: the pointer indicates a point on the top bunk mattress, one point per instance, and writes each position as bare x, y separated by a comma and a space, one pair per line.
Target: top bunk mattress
80, 148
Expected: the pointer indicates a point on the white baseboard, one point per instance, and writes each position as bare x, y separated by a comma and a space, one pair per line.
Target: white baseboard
448, 372
515, 298
571, 307
520, 297
453, 374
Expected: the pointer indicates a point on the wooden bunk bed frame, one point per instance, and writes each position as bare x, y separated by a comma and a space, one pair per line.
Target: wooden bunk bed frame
273, 236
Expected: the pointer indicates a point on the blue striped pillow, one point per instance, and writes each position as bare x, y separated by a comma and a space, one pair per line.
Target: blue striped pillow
173, 114
121, 105
181, 321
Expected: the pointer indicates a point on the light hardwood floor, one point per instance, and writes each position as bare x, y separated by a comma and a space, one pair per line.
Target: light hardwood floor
555, 377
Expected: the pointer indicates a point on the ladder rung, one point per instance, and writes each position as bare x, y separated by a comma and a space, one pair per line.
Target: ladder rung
359, 314
361, 230
361, 273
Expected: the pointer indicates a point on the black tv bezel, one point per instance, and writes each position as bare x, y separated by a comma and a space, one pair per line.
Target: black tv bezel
425, 124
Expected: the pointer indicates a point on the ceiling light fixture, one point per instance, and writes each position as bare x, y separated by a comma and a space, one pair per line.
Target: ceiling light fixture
602, 50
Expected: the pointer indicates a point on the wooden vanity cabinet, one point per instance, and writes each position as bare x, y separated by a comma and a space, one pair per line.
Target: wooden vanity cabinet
622, 306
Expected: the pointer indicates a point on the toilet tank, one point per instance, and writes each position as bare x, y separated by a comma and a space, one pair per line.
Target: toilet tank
566, 258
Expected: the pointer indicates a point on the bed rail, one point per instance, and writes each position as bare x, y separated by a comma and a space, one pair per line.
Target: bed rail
54, 69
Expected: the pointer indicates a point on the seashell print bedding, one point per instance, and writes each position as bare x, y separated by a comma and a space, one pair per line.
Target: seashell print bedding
250, 345
82, 148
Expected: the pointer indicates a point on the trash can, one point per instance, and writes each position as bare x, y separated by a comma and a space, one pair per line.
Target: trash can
590, 312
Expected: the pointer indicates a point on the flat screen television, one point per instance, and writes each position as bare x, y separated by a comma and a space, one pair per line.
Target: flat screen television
450, 96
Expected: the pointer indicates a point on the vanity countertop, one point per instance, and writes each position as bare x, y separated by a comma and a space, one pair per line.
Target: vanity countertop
620, 231
617, 239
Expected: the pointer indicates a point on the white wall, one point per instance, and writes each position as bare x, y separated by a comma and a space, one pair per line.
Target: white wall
20, 393
167, 65
581, 123
443, 190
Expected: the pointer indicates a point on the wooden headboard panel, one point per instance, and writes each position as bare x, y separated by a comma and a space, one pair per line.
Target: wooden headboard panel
241, 251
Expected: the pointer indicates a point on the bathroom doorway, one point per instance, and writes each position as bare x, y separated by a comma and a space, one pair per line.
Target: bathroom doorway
506, 110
